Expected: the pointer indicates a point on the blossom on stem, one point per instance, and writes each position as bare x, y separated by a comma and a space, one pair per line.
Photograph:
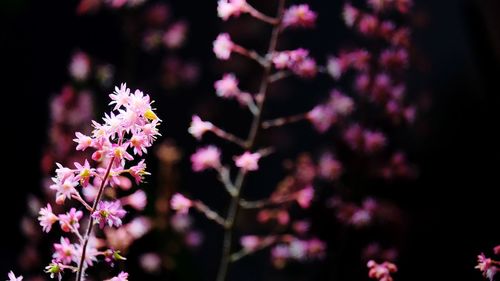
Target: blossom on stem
381, 272
486, 266
227, 87
223, 46
12, 277
228, 8
180, 203
299, 16
47, 218
83, 141
70, 220
248, 161
64, 251
64, 190
250, 242
206, 158
84, 173
199, 127
138, 171
109, 213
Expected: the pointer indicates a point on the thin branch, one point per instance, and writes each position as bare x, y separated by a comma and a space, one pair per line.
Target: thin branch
251, 54
81, 271
258, 15
283, 120
228, 136
279, 75
268, 241
225, 178
79, 198
209, 213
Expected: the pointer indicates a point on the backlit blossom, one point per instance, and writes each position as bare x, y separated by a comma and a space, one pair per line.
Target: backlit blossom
138, 171
120, 97
79, 68
180, 203
199, 127
47, 218
109, 213
305, 196
83, 141
64, 251
223, 46
206, 158
248, 161
228, 8
12, 277
85, 172
299, 16
227, 87
70, 221
64, 190
381, 272
250, 242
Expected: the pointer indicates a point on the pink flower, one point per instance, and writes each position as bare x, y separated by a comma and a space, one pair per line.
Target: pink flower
228, 8
227, 87
109, 213
138, 171
180, 203
299, 16
83, 141
485, 265
329, 167
12, 277
250, 242
64, 252
350, 15
206, 158
379, 5
136, 200
64, 190
119, 152
336, 67
382, 272
47, 218
496, 250
140, 143
120, 97
69, 221
248, 161
223, 46
368, 25
176, 35
199, 127
322, 117
123, 276
342, 104
79, 68
305, 196
394, 59
374, 141
84, 173
138, 227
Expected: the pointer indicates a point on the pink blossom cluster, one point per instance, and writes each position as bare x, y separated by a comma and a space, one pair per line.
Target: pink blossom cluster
297, 250
337, 108
381, 272
124, 135
361, 139
488, 266
297, 61
92, 6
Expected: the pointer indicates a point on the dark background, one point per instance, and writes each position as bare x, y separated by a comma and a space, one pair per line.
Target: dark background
452, 208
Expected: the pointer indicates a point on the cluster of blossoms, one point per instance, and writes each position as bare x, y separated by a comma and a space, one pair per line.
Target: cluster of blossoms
489, 267
125, 134
381, 272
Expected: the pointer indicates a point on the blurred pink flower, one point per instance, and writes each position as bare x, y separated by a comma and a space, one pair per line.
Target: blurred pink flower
198, 127
299, 16
180, 203
381, 272
47, 218
206, 158
12, 277
228, 8
248, 161
223, 46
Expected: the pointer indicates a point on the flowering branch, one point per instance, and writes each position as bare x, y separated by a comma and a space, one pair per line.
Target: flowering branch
81, 270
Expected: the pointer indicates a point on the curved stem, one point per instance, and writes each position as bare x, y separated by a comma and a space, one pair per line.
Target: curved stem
235, 200
81, 270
